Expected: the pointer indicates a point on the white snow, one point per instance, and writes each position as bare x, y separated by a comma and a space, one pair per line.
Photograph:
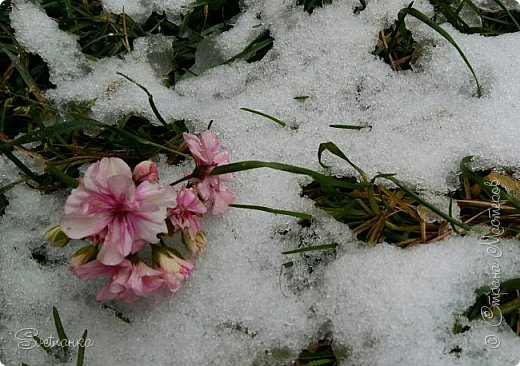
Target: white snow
382, 305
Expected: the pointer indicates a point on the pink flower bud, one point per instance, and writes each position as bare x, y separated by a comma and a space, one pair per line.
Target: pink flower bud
82, 256
56, 237
146, 171
166, 259
195, 246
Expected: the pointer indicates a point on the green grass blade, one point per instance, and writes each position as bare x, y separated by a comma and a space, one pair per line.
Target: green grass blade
499, 3
61, 176
150, 101
45, 133
24, 73
332, 148
144, 141
450, 212
363, 6
427, 204
417, 14
255, 164
510, 307
9, 154
510, 285
300, 215
81, 350
323, 362
280, 122
312, 248
9, 186
264, 40
41, 344
348, 127
481, 182
59, 328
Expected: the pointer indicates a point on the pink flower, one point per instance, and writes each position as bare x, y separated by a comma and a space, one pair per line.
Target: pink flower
146, 170
107, 199
127, 279
174, 270
204, 150
215, 195
185, 214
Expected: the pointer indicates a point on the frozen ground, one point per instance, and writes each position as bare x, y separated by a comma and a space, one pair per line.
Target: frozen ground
381, 305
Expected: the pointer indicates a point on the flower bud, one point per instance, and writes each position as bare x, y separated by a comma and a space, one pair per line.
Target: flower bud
146, 170
169, 261
82, 256
195, 246
56, 237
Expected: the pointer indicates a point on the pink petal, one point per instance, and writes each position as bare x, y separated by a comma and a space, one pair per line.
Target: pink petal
75, 200
98, 174
121, 188
223, 199
79, 225
172, 281
95, 268
110, 255
189, 200
104, 293
194, 145
149, 224
148, 193
118, 242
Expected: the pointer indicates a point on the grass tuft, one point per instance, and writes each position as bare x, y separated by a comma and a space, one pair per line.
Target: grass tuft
496, 308
317, 354
469, 18
310, 5
396, 46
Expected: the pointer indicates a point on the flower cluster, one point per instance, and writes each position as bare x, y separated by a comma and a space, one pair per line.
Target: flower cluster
120, 210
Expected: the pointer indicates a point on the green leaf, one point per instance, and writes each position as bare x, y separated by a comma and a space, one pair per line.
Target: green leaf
24, 73
499, 3
59, 328
280, 122
45, 133
348, 127
275, 211
331, 147
81, 350
6, 150
417, 14
427, 204
9, 186
312, 248
41, 344
510, 285
288, 264
150, 102
323, 362
61, 176
482, 183
259, 46
255, 164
